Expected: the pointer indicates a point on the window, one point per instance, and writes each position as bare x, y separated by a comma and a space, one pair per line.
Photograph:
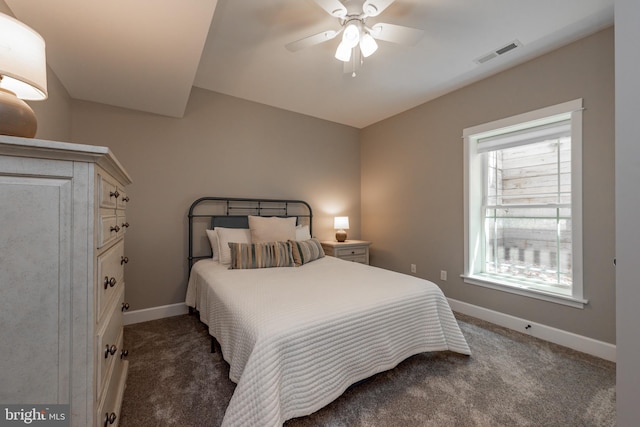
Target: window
523, 204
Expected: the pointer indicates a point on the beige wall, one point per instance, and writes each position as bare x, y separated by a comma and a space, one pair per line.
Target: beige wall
412, 189
223, 146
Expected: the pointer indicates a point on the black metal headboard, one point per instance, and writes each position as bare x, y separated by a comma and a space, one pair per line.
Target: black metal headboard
209, 212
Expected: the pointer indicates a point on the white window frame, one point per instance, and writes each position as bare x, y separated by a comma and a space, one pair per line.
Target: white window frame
473, 192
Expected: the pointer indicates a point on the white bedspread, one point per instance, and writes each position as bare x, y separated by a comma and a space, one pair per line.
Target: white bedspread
296, 337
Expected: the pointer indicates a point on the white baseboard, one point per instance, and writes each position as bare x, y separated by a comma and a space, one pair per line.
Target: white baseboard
155, 313
557, 336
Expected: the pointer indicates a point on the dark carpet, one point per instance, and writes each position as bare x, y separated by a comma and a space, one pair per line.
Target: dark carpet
511, 379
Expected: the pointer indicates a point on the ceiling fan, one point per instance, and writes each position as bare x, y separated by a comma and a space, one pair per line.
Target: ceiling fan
358, 38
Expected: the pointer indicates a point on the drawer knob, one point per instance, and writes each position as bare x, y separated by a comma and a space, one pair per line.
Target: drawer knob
114, 194
115, 228
109, 418
125, 306
125, 199
124, 353
125, 224
109, 282
110, 350
124, 260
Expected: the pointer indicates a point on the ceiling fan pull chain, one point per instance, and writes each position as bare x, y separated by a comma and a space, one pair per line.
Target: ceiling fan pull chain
353, 65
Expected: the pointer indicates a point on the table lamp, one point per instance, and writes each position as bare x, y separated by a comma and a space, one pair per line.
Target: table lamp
23, 75
341, 223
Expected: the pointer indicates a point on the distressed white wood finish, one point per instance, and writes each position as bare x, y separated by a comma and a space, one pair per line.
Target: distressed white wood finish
350, 250
55, 314
34, 287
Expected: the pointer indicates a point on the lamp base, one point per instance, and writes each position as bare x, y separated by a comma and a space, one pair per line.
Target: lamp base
16, 117
341, 235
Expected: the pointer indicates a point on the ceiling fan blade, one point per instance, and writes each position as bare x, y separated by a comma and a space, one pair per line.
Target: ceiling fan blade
311, 40
375, 7
396, 34
333, 7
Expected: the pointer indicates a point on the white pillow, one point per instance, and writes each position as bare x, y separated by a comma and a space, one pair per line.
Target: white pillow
272, 229
302, 233
213, 241
230, 235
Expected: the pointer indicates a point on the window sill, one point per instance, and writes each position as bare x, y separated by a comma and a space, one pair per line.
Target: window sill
528, 292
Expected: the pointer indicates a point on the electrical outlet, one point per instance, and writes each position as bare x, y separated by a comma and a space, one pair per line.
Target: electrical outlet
443, 275
413, 268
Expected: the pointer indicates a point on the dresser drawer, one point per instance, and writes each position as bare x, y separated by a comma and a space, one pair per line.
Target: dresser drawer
111, 403
362, 259
108, 228
122, 222
109, 340
121, 203
350, 252
109, 194
110, 271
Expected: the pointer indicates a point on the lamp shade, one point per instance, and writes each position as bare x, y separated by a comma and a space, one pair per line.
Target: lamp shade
368, 45
343, 53
341, 223
23, 65
351, 35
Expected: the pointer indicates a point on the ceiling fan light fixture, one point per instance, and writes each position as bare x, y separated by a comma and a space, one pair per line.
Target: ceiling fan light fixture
368, 45
343, 53
355, 31
351, 35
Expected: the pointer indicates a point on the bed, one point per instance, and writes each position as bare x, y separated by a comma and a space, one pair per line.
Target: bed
297, 336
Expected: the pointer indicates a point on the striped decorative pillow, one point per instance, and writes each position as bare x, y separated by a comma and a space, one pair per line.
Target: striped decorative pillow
260, 255
306, 251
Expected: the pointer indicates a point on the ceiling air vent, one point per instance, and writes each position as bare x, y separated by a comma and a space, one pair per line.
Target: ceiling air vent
500, 51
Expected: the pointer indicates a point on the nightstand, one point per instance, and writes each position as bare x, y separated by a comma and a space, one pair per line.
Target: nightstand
350, 250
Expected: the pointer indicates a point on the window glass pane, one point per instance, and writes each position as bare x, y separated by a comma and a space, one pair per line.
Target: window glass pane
565, 254
527, 247
494, 178
538, 173
565, 170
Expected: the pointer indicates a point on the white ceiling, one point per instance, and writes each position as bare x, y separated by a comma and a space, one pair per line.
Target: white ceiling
147, 54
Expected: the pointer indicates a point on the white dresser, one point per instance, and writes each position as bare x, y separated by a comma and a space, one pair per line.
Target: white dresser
62, 260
